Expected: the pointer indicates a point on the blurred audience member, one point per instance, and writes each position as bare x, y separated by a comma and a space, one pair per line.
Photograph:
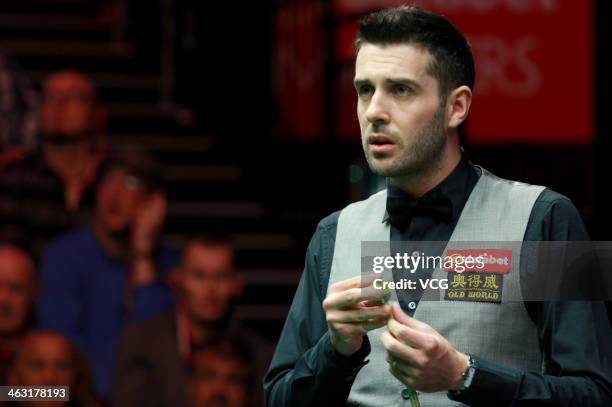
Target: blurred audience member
222, 374
17, 288
45, 358
50, 190
17, 112
155, 356
102, 275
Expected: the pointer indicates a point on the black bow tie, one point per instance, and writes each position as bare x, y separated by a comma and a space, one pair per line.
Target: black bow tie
401, 210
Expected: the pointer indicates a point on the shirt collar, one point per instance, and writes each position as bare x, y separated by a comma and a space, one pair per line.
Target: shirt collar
457, 187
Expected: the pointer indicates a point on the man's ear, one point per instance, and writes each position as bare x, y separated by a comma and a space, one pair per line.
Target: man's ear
458, 105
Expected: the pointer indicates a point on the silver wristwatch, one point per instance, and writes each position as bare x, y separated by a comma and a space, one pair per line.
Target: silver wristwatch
466, 377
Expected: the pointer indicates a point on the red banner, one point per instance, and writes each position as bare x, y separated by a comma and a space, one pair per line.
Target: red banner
298, 69
534, 64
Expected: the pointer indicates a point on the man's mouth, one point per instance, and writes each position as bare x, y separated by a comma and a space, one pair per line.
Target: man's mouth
379, 143
379, 139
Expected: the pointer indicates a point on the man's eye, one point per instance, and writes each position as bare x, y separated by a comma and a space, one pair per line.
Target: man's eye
402, 90
365, 90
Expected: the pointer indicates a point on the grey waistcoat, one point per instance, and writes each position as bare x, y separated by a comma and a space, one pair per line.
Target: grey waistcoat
497, 211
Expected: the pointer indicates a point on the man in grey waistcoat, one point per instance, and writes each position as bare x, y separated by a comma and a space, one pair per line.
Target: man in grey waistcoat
346, 342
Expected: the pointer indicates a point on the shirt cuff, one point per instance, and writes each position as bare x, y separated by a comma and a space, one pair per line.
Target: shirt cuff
346, 366
491, 382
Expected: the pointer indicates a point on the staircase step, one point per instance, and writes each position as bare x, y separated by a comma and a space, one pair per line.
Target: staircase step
67, 48
142, 110
215, 173
244, 242
125, 80
109, 80
262, 312
112, 65
168, 143
272, 277
34, 22
216, 209
53, 7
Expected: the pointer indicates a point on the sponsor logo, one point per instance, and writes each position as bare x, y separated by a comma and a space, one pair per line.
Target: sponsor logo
479, 260
477, 287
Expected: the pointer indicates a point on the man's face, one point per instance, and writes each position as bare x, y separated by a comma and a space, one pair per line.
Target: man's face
68, 105
16, 290
44, 359
208, 281
402, 120
218, 381
119, 197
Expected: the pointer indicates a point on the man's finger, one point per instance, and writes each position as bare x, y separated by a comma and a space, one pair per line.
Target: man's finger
408, 380
342, 299
376, 295
351, 296
370, 326
360, 281
350, 329
400, 366
400, 351
400, 316
370, 314
407, 335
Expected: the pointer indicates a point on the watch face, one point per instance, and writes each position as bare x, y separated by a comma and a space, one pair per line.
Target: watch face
469, 376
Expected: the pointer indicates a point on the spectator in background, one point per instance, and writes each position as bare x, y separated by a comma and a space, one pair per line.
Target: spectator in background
17, 287
222, 374
50, 190
155, 356
107, 273
18, 103
45, 358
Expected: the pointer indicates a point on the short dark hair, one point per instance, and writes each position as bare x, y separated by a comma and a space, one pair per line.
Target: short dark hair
230, 345
209, 240
136, 161
452, 62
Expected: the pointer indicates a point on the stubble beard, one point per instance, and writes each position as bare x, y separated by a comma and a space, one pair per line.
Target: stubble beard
420, 158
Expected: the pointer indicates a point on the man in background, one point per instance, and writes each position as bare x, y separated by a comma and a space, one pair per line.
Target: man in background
223, 375
50, 190
17, 292
45, 358
112, 271
208, 285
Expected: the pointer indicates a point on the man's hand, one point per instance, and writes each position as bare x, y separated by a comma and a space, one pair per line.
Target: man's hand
419, 356
143, 237
352, 308
146, 225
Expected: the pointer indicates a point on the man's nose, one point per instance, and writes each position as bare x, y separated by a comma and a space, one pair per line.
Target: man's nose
377, 112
